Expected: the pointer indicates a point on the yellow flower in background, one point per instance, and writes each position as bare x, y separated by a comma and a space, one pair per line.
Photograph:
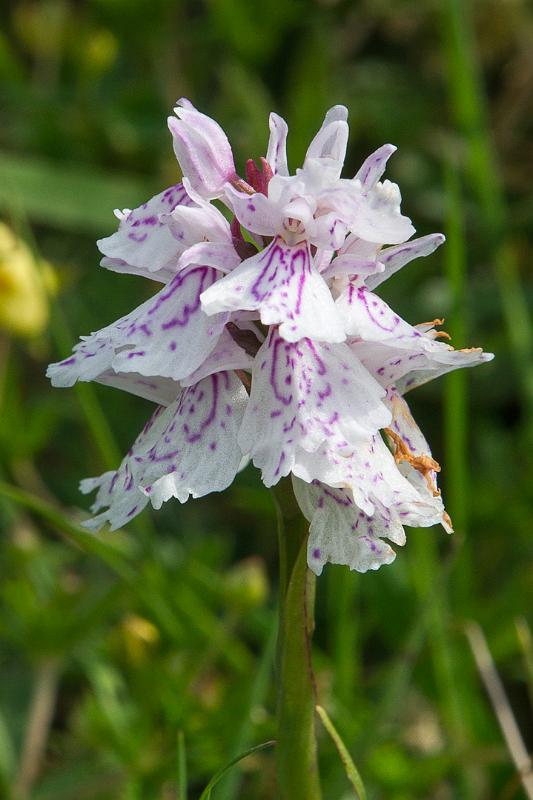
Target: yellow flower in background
25, 284
139, 636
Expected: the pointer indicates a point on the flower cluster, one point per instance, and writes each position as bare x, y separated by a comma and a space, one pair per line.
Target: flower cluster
267, 342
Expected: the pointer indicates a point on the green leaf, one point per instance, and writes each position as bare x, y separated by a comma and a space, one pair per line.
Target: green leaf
67, 197
349, 767
206, 794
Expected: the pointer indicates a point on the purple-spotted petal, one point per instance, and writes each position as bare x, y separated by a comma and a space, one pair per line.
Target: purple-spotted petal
303, 394
197, 451
143, 241
189, 448
439, 363
118, 491
393, 351
341, 533
92, 355
172, 336
394, 258
372, 476
282, 284
367, 317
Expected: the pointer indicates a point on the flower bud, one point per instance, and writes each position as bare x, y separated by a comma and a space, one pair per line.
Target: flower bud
202, 149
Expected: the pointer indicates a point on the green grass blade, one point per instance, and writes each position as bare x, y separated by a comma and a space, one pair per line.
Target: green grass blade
351, 770
114, 559
452, 679
230, 785
68, 198
182, 767
468, 104
206, 794
76, 535
455, 395
525, 640
342, 594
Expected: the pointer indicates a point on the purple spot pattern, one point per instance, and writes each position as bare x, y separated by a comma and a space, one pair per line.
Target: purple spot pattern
188, 448
283, 285
299, 400
172, 336
140, 222
343, 534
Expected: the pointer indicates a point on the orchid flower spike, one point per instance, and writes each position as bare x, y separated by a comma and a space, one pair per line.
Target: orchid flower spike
266, 342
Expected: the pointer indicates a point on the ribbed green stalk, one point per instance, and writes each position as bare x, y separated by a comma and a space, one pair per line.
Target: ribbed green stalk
296, 745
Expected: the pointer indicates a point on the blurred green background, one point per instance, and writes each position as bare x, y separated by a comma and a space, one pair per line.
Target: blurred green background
123, 656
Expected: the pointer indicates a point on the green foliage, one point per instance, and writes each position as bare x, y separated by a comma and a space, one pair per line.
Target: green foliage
153, 648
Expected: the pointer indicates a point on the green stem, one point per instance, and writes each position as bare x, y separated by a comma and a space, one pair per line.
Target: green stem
296, 744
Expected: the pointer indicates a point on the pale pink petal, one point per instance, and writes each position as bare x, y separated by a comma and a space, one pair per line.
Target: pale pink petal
203, 151
331, 140
222, 256
198, 223
358, 269
374, 166
373, 216
162, 391
277, 145
163, 275
377, 217
329, 231
255, 212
